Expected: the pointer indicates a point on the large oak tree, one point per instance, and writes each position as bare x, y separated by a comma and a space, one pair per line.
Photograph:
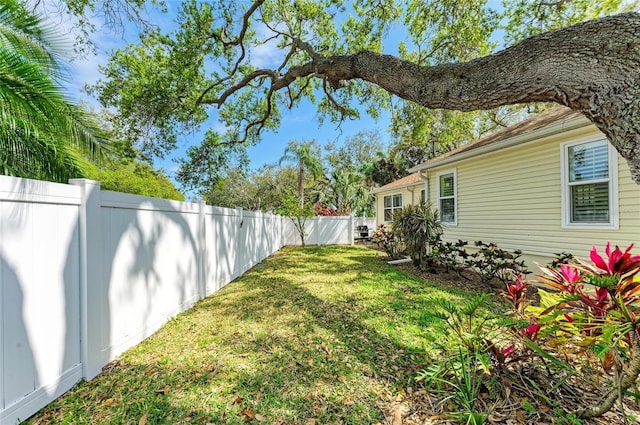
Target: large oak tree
172, 81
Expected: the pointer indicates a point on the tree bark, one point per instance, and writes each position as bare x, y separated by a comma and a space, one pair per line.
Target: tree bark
627, 379
592, 67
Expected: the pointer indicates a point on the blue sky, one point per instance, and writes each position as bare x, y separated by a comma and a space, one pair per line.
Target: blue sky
301, 123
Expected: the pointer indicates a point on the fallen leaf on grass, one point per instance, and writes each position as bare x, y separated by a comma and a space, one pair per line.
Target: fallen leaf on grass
143, 419
397, 416
248, 415
238, 400
163, 391
348, 400
310, 422
260, 418
109, 402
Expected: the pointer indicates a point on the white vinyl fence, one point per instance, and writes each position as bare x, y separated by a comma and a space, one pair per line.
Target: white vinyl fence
86, 274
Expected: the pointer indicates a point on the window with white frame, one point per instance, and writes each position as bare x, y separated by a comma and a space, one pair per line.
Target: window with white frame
423, 196
447, 197
589, 184
392, 203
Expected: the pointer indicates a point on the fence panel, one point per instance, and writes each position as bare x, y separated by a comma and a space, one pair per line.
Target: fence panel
86, 274
151, 250
334, 230
222, 231
40, 295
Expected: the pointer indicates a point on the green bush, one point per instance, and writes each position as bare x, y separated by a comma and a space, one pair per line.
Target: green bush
448, 255
417, 227
492, 262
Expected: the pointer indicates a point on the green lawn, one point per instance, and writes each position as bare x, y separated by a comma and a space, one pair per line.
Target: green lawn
315, 335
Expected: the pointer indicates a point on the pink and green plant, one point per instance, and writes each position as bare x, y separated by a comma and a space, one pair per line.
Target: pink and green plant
596, 302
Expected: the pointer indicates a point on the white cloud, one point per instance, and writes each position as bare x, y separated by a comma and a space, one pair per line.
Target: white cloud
267, 55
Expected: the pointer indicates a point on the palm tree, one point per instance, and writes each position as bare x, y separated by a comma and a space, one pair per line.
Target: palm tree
306, 159
42, 135
350, 191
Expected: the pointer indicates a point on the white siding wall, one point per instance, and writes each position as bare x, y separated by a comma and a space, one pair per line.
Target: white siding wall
86, 274
512, 197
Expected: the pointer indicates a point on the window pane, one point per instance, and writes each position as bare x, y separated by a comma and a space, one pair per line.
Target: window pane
448, 210
397, 201
446, 185
388, 215
589, 161
590, 203
422, 196
388, 201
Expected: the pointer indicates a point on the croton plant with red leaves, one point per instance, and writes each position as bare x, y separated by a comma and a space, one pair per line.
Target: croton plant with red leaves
595, 301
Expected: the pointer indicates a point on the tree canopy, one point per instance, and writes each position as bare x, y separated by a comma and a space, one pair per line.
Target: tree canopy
247, 63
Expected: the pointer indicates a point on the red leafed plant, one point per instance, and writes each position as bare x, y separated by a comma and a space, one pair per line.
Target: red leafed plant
598, 300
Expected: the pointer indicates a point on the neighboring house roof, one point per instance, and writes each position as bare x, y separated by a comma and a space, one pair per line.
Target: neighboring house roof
553, 120
410, 180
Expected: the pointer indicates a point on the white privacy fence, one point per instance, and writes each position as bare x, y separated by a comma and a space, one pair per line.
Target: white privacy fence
86, 274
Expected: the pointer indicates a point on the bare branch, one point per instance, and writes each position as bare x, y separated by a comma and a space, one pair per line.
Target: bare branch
343, 111
231, 90
297, 96
260, 123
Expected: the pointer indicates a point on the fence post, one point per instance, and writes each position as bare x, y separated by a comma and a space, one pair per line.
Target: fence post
316, 230
203, 258
351, 229
91, 278
239, 244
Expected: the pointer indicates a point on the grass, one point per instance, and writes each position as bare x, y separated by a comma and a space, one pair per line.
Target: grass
311, 336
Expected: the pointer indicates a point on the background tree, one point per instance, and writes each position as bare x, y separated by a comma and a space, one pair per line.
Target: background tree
354, 151
42, 135
306, 157
260, 190
136, 177
388, 168
351, 166
168, 83
344, 186
298, 213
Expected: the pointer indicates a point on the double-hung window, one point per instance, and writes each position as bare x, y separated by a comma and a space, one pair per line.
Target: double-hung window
392, 203
447, 197
589, 185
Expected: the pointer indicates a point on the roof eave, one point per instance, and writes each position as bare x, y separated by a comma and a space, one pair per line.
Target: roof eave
404, 186
546, 131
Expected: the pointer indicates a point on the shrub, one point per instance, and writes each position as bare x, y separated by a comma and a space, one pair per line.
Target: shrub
386, 240
323, 210
448, 255
417, 226
492, 262
561, 258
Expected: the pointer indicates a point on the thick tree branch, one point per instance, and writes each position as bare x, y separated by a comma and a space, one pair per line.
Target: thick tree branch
244, 82
593, 68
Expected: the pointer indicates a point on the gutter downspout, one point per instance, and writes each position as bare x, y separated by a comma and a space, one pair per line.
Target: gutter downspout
425, 179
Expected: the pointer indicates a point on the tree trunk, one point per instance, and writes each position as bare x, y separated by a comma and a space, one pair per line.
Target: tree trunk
627, 379
301, 184
593, 68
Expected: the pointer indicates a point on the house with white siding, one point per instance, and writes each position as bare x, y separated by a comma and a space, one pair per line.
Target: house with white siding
548, 184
